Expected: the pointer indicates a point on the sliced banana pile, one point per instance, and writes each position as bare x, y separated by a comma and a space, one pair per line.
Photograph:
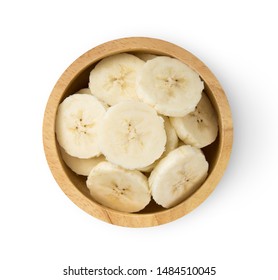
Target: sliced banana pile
137, 131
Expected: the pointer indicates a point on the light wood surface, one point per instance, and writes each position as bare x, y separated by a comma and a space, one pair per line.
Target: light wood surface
76, 76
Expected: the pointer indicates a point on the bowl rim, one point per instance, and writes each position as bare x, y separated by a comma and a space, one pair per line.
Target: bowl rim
147, 45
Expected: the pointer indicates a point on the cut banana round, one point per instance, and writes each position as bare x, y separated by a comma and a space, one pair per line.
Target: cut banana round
178, 175
171, 144
85, 91
88, 91
77, 121
200, 127
145, 56
172, 138
118, 188
114, 78
170, 86
132, 135
81, 166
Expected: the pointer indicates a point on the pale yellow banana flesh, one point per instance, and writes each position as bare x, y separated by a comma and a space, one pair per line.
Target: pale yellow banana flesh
118, 188
200, 127
81, 166
170, 86
132, 135
77, 122
114, 78
178, 175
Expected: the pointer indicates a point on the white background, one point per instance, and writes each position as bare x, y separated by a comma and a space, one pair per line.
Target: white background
235, 229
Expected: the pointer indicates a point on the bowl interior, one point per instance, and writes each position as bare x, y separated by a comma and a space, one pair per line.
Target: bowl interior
80, 81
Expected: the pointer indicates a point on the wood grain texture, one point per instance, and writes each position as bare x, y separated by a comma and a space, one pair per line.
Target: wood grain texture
76, 76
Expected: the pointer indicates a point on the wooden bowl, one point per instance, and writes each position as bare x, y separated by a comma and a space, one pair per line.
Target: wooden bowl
76, 76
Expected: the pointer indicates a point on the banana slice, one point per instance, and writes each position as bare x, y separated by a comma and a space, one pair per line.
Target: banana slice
114, 78
117, 188
172, 137
132, 135
81, 166
170, 86
77, 122
88, 91
200, 127
85, 91
171, 143
178, 175
145, 56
